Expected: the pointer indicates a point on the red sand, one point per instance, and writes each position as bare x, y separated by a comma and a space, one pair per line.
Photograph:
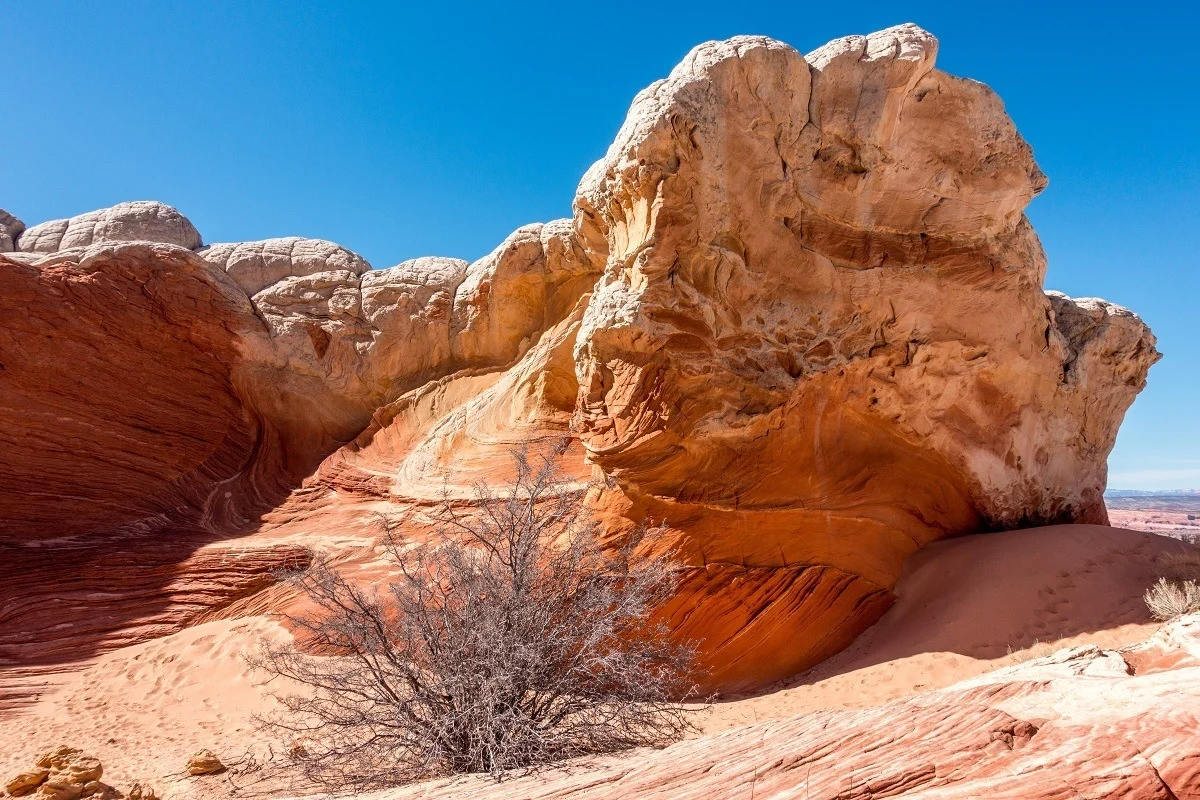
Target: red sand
962, 604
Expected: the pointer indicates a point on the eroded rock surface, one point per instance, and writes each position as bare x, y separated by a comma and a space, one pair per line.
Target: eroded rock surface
256, 265
1078, 723
798, 314
10, 229
65, 773
795, 292
138, 221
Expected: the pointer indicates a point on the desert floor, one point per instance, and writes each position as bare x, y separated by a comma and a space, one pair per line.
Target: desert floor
965, 606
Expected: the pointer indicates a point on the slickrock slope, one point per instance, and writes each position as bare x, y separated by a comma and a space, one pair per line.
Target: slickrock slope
1081, 723
798, 314
972, 604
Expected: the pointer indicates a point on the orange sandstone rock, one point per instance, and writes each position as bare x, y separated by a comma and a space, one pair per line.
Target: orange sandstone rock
204, 762
798, 316
64, 773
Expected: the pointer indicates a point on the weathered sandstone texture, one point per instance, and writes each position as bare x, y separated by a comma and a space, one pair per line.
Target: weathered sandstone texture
204, 762
819, 280
64, 773
798, 315
1081, 723
139, 221
10, 229
256, 265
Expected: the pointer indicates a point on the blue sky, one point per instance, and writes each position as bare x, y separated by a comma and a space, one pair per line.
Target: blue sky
419, 130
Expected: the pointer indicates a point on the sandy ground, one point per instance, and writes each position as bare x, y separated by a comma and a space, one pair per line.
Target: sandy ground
965, 606
977, 603
143, 710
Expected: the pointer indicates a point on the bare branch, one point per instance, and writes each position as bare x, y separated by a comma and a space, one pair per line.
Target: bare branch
514, 640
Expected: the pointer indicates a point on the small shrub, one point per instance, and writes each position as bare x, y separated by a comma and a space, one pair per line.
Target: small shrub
1168, 600
1181, 566
513, 639
1038, 649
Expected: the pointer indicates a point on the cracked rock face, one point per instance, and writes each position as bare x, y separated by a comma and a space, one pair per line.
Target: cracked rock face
10, 229
820, 286
139, 221
254, 266
798, 314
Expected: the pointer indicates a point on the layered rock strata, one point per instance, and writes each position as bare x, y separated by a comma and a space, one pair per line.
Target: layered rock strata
1083, 722
798, 316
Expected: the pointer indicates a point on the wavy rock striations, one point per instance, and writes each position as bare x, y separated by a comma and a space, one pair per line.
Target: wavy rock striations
798, 315
1083, 722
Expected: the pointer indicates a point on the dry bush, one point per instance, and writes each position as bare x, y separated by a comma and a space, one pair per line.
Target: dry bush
1038, 649
514, 641
1181, 566
1168, 600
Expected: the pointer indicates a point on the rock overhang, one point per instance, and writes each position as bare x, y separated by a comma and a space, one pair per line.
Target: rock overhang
798, 314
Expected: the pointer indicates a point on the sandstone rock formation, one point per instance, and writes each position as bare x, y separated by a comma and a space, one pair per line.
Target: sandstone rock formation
10, 229
139, 221
256, 265
204, 762
65, 773
1082, 722
805, 301
774, 263
798, 315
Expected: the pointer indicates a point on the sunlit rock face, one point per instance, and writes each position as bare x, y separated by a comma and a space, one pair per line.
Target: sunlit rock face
821, 336
143, 379
138, 221
10, 230
798, 316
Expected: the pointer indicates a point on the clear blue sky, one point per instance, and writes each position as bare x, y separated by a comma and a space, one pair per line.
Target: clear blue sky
436, 129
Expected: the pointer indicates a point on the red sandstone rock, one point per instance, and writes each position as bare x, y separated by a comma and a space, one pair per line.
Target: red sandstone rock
810, 341
63, 602
1079, 723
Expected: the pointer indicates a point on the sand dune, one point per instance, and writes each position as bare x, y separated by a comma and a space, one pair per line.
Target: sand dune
977, 603
962, 605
